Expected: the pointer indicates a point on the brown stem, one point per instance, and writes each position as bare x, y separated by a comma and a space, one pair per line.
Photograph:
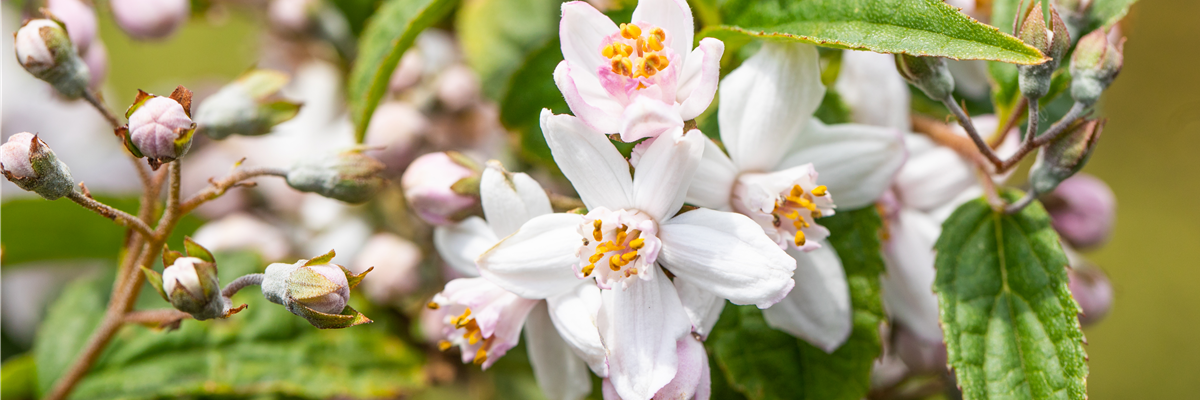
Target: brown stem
100, 106
945, 135
218, 188
159, 318
120, 217
969, 126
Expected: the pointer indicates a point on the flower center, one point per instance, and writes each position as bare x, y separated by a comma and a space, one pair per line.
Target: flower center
463, 332
617, 245
786, 210
636, 52
798, 208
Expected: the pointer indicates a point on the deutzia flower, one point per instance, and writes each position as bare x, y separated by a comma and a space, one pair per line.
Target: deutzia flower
640, 79
631, 230
485, 321
774, 144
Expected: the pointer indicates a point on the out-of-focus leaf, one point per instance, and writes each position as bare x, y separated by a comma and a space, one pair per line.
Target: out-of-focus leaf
521, 106
389, 32
36, 227
917, 27
18, 378
264, 350
1105, 13
764, 363
1011, 325
497, 36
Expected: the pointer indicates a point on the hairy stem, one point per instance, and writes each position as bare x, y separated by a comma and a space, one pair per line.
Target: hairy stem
1056, 130
102, 108
218, 188
1031, 130
120, 217
241, 282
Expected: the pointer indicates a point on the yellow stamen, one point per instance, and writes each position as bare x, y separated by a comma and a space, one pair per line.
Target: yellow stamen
631, 271
444, 345
659, 34
807, 204
609, 51
657, 62
819, 191
432, 305
480, 356
615, 263
653, 43
816, 214
623, 49
621, 235
472, 337
595, 258
587, 270
629, 256
637, 244
630, 31
800, 238
797, 191
793, 214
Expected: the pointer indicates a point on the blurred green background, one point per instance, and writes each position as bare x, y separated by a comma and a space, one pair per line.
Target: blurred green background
1145, 348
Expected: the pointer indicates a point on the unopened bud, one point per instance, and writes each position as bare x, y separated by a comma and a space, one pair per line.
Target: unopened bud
160, 128
930, 74
190, 282
396, 262
1083, 210
315, 290
1092, 290
350, 176
247, 106
1053, 41
1064, 157
96, 59
292, 17
1094, 66
150, 19
458, 87
441, 187
79, 18
44, 49
29, 163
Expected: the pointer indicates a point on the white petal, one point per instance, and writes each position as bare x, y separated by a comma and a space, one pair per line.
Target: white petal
460, 244
727, 254
702, 307
692, 380
536, 262
559, 372
590, 161
875, 92
818, 309
932, 176
908, 283
582, 31
507, 204
856, 162
712, 186
766, 101
661, 180
587, 98
648, 118
574, 314
639, 325
674, 16
698, 78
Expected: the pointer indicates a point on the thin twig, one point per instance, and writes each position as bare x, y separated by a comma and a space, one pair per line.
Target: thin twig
1020, 204
1031, 130
1056, 130
160, 317
944, 135
238, 284
120, 217
1013, 119
969, 126
100, 106
217, 188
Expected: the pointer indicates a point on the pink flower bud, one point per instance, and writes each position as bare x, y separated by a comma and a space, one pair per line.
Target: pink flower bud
33, 44
429, 185
96, 59
1083, 211
458, 87
15, 157
150, 19
1092, 291
44, 49
335, 301
395, 261
26, 161
291, 16
396, 128
408, 72
80, 20
160, 128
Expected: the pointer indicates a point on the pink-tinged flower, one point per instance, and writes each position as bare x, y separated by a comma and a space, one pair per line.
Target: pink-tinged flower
150, 19
96, 59
482, 319
692, 380
639, 79
160, 128
633, 229
1083, 210
429, 183
774, 149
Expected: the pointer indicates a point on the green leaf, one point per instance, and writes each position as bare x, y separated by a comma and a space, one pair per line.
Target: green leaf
764, 363
498, 35
1009, 320
42, 224
532, 88
18, 378
1107, 13
262, 351
387, 35
916, 27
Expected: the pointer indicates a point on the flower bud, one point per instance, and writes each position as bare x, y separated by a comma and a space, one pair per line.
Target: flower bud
1082, 210
1052, 41
190, 283
1092, 290
292, 17
97, 62
396, 261
29, 163
351, 177
458, 87
79, 18
44, 49
397, 130
1064, 157
315, 290
1094, 66
160, 128
930, 74
150, 19
247, 106
441, 187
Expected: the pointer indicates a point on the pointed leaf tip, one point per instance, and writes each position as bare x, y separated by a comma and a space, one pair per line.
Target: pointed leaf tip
323, 259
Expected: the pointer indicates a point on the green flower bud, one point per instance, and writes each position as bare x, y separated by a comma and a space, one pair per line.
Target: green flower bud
351, 177
1064, 157
44, 49
246, 106
1053, 41
190, 283
1094, 66
26, 161
930, 74
315, 290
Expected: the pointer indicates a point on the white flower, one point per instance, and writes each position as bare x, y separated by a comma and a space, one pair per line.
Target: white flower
640, 79
631, 230
775, 148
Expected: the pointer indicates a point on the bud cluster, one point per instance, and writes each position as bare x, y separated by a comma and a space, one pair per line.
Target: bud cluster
1052, 40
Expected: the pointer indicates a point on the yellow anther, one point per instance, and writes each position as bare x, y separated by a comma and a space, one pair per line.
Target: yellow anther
659, 33
598, 236
621, 235
480, 356
596, 224
630, 31
595, 258
792, 214
622, 66
653, 43
816, 214
587, 270
609, 51
631, 271
444, 345
657, 62
637, 244
797, 191
615, 263
807, 204
472, 337
800, 238
629, 256
644, 69
432, 305
819, 191
623, 49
